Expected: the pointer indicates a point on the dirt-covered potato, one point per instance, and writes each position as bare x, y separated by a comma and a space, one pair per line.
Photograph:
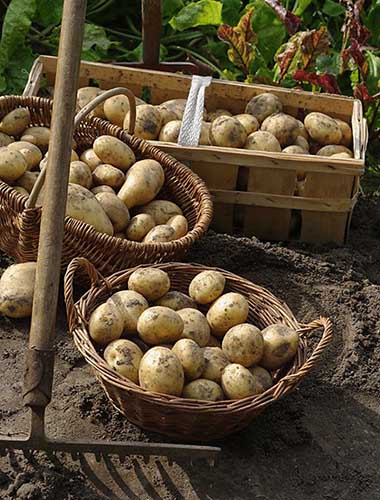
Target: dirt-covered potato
15, 122
263, 105
143, 182
159, 325
212, 115
191, 357
124, 357
89, 156
207, 286
139, 226
262, 141
216, 361
302, 143
21, 190
172, 110
346, 132
116, 107
295, 150
131, 305
342, 156
161, 371
176, 300
151, 282
203, 390
28, 180
214, 342
117, 212
263, 377
170, 131
12, 165
238, 382
161, 210
148, 122
323, 129
333, 149
87, 94
280, 346
195, 326
108, 175
39, 136
102, 189
179, 224
106, 323
249, 122
30, 152
17, 289
112, 150
5, 140
227, 131
284, 127
204, 138
160, 234
302, 132
243, 344
227, 311
80, 173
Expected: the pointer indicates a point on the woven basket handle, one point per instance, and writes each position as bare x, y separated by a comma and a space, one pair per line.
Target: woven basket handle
73, 314
326, 338
81, 115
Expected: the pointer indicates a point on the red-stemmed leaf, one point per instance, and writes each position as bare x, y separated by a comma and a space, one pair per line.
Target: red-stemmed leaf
355, 53
352, 28
290, 20
326, 81
361, 92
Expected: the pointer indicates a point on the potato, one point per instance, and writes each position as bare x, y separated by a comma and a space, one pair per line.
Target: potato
207, 286
167, 116
284, 127
214, 342
161, 371
124, 357
39, 136
179, 224
295, 150
302, 132
131, 304
29, 151
87, 94
17, 289
333, 149
161, 210
249, 122
116, 107
345, 156
227, 311
280, 346
195, 326
5, 140
139, 226
176, 301
262, 141
148, 122
142, 183
204, 138
322, 128
21, 190
243, 344
203, 390
15, 122
80, 173
263, 377
28, 180
227, 131
120, 235
89, 156
238, 382
170, 131
346, 132
102, 189
302, 143
216, 361
191, 357
117, 212
82, 205
173, 109
107, 175
12, 165
212, 115
159, 325
112, 150
151, 282
106, 323
43, 162
263, 105
160, 234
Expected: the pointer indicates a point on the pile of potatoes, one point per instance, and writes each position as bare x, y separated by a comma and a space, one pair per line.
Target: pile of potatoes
108, 187
198, 346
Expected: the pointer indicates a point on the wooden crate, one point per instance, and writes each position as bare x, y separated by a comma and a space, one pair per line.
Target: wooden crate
254, 192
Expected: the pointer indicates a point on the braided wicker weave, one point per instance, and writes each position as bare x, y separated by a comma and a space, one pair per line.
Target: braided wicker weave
187, 419
19, 225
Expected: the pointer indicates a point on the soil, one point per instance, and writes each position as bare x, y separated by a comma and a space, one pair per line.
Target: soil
320, 442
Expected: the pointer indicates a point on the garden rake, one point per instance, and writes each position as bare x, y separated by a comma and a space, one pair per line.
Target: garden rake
38, 378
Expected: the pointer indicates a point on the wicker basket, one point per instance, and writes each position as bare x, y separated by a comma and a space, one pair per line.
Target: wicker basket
20, 221
187, 419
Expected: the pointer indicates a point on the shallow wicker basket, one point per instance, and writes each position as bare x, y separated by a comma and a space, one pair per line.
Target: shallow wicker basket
20, 221
186, 419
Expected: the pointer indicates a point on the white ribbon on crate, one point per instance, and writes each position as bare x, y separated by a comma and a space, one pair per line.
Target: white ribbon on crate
192, 118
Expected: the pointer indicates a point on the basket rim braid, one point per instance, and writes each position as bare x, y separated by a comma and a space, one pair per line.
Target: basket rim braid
175, 416
19, 225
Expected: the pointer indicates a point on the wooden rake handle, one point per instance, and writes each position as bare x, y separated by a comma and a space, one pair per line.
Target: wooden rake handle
82, 114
